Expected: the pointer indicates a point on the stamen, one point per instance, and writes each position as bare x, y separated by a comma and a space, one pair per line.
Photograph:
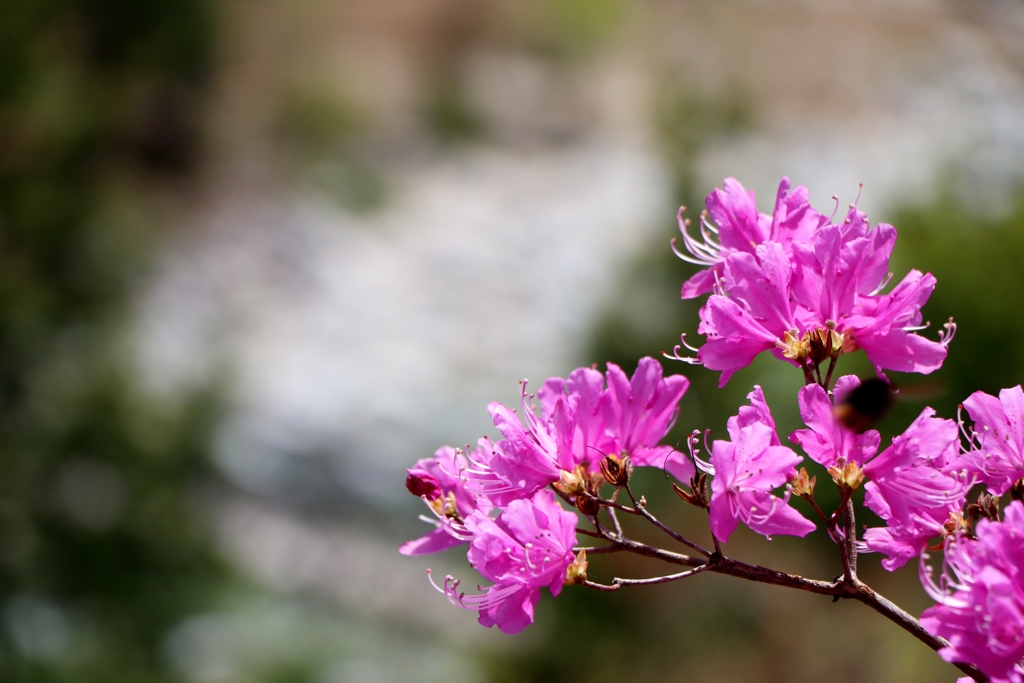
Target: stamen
691, 360
947, 333
698, 463
885, 283
704, 252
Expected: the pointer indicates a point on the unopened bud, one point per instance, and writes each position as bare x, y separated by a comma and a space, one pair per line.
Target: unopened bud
616, 470
577, 571
849, 476
423, 484
803, 485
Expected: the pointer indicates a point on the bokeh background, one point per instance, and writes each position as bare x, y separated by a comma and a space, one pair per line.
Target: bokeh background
256, 258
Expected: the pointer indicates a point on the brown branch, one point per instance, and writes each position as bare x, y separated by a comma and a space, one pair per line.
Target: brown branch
850, 568
848, 589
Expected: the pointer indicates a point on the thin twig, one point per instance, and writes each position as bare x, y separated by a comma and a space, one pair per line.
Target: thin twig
588, 532
661, 579
649, 551
642, 510
599, 549
611, 504
600, 586
831, 368
614, 517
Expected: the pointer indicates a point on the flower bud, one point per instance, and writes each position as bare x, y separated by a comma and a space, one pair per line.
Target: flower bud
803, 485
572, 483
848, 476
422, 484
793, 348
577, 571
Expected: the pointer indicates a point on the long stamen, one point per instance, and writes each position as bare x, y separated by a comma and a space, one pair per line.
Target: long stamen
705, 251
885, 283
691, 360
947, 333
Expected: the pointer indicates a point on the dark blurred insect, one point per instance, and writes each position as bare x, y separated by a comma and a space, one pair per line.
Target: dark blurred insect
865, 405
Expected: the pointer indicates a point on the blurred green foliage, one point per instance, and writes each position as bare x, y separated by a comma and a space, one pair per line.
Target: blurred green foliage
686, 121
977, 262
101, 551
319, 133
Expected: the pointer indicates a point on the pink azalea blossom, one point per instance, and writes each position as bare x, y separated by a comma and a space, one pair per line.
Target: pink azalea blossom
533, 454
438, 481
628, 417
755, 317
529, 546
980, 598
997, 453
747, 469
735, 226
916, 484
828, 441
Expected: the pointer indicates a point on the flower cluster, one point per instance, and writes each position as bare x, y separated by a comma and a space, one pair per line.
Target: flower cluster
802, 287
583, 420
808, 290
915, 485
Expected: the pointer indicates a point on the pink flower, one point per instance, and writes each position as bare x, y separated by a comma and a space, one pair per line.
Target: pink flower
629, 417
916, 484
828, 441
580, 422
997, 458
747, 469
532, 455
883, 326
756, 315
736, 227
438, 481
528, 546
980, 598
